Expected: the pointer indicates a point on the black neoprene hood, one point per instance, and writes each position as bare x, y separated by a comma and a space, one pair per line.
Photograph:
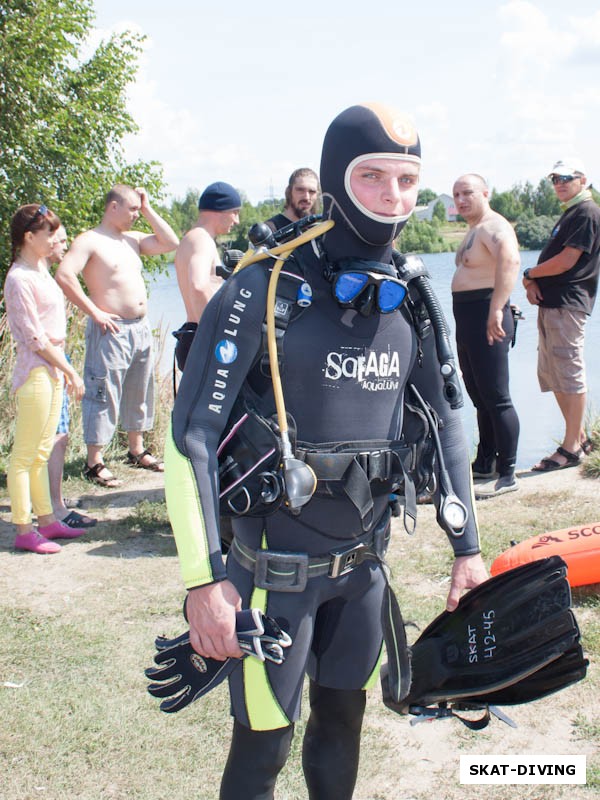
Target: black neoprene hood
358, 133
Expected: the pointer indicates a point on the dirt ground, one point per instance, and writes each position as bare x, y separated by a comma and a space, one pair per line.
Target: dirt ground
425, 757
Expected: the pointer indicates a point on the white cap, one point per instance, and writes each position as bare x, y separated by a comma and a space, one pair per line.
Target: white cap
568, 166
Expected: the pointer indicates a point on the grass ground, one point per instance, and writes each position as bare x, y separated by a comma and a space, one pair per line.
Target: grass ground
77, 631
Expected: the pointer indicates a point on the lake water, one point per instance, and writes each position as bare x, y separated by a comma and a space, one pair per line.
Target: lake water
541, 421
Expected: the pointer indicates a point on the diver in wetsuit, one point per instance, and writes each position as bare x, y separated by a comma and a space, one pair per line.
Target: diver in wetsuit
344, 373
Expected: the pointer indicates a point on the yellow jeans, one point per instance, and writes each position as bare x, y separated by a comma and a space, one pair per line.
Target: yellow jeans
39, 402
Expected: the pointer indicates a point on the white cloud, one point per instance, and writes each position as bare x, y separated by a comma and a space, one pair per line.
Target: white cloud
546, 96
531, 42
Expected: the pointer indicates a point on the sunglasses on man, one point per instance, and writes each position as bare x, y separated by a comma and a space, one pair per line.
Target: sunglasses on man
41, 212
563, 178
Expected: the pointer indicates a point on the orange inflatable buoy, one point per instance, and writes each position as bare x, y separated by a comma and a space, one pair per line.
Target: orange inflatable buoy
579, 547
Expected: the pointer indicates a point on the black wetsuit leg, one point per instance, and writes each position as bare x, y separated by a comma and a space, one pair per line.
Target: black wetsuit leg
485, 373
255, 760
331, 745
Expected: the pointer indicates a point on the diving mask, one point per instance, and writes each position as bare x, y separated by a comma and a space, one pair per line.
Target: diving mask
365, 286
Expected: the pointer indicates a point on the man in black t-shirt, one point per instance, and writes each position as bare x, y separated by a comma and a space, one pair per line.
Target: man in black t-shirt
302, 195
563, 285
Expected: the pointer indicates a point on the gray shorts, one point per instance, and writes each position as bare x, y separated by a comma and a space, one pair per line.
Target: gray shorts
561, 367
119, 380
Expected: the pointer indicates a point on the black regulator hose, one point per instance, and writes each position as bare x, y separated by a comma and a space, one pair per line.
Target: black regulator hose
413, 270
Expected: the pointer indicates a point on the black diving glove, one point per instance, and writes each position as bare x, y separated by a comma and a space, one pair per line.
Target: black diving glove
183, 675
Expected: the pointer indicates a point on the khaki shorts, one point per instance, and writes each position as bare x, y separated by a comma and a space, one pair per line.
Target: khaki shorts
561, 367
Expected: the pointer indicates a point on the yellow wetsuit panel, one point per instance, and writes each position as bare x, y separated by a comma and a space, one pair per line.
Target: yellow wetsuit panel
185, 514
264, 712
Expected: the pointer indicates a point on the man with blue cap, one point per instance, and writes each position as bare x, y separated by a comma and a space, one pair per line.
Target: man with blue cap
197, 258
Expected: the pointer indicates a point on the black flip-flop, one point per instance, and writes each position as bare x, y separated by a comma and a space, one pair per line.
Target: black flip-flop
75, 520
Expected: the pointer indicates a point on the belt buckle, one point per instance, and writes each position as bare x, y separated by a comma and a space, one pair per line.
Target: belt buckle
344, 561
292, 569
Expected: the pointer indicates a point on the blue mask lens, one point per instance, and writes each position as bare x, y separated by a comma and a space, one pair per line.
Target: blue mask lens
391, 296
349, 285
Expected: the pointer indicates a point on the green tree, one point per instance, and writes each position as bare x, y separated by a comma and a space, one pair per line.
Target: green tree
507, 203
533, 232
63, 116
421, 236
425, 197
184, 212
525, 195
439, 212
545, 201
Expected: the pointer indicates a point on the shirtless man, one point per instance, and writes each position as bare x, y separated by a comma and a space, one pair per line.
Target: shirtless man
301, 198
487, 266
119, 359
197, 258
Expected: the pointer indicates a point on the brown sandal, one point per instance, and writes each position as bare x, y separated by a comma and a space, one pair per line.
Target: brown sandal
136, 461
93, 474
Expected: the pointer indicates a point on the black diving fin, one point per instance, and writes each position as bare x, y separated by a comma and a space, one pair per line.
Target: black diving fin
569, 668
511, 640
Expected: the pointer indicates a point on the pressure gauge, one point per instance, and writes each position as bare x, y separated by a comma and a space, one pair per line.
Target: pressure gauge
453, 515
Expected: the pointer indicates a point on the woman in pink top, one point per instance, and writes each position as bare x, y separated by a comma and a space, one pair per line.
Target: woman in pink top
35, 311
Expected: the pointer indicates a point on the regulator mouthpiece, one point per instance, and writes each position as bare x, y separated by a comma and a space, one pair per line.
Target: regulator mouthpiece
300, 482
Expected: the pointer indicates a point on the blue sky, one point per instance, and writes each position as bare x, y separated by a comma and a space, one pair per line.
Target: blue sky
244, 92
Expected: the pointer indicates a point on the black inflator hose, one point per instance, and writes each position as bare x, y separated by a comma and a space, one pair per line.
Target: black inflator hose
419, 278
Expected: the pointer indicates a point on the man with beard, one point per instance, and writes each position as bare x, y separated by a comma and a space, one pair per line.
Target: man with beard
370, 175
301, 198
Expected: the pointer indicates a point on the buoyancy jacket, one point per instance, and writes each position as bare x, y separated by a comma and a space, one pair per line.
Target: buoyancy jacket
344, 378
